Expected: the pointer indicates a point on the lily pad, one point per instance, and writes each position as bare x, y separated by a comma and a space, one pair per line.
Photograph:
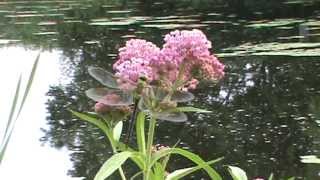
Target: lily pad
113, 23
8, 41
172, 20
45, 33
274, 23
273, 49
47, 23
163, 26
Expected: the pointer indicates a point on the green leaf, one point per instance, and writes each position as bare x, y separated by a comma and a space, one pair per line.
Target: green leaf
136, 175
117, 130
138, 158
112, 164
141, 138
237, 173
167, 158
180, 173
191, 109
13, 107
191, 156
11, 121
159, 171
92, 120
28, 87
270, 177
7, 133
310, 159
292, 178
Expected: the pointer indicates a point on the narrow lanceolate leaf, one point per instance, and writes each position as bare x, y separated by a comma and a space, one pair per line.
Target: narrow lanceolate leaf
180, 173
191, 109
11, 120
237, 173
13, 107
112, 164
8, 132
91, 120
141, 138
117, 130
191, 156
28, 87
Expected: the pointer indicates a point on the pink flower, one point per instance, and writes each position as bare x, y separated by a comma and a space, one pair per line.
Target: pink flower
189, 49
134, 61
185, 45
211, 68
182, 51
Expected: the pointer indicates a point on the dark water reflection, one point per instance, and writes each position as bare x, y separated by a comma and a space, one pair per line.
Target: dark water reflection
266, 109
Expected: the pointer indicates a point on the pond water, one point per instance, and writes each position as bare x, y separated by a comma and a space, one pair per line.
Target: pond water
266, 109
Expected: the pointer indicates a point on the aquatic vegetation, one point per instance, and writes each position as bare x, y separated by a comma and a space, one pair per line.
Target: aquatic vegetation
273, 49
148, 85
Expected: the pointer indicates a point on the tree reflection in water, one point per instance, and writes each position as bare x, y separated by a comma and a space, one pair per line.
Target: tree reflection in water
264, 110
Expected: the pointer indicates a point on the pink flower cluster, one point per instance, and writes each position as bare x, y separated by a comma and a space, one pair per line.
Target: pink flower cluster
182, 51
134, 62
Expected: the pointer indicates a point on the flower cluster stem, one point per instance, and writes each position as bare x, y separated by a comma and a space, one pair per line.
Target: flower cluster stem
152, 125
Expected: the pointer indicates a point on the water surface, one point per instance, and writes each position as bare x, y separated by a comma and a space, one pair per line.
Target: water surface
266, 109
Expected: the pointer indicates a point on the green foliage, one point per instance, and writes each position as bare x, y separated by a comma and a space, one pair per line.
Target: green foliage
112, 164
180, 173
237, 173
189, 155
117, 131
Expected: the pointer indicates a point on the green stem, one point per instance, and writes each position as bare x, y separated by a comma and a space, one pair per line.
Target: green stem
152, 125
114, 149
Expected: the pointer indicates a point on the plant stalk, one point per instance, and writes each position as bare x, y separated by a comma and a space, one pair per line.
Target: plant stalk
114, 149
152, 126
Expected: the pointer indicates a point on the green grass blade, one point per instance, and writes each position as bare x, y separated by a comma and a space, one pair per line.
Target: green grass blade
11, 122
13, 107
28, 87
7, 133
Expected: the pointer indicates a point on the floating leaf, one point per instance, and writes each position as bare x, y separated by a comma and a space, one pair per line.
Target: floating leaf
113, 23
310, 159
274, 23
